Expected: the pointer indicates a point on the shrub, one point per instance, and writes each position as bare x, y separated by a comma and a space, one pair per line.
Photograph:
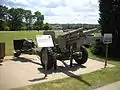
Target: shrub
97, 47
47, 26
6, 28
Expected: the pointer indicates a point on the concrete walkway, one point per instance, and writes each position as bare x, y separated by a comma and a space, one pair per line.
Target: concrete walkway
26, 70
113, 86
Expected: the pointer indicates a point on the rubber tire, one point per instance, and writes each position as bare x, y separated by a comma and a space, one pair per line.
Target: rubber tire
17, 54
50, 58
84, 56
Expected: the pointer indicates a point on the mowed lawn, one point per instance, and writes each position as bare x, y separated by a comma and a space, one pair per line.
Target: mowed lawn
9, 36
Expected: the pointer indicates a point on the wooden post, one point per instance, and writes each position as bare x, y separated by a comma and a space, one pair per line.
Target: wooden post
106, 55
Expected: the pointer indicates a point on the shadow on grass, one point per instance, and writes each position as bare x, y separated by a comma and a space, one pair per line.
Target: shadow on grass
72, 75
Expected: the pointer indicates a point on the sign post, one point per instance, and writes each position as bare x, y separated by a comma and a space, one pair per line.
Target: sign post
107, 39
106, 55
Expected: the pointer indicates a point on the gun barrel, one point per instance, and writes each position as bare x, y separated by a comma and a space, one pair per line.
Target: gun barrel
90, 31
74, 31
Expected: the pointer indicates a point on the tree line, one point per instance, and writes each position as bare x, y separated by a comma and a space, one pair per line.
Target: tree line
14, 19
76, 26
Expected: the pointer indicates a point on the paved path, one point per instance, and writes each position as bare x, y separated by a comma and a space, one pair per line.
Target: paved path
27, 70
113, 86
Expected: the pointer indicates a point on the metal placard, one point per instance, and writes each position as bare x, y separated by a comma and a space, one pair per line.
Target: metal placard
107, 39
44, 41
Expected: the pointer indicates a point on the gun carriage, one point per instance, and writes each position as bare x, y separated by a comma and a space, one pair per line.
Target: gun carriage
65, 47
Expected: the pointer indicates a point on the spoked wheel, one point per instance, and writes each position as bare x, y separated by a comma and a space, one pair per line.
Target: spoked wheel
47, 58
81, 59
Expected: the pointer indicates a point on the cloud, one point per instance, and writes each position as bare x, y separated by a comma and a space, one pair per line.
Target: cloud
63, 11
60, 11
49, 12
56, 3
88, 7
13, 3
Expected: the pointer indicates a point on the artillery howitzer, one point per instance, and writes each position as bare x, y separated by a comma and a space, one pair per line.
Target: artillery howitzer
50, 49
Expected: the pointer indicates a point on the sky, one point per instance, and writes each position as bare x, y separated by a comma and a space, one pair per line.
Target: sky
60, 11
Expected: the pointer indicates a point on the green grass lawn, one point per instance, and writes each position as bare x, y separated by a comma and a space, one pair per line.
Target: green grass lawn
9, 36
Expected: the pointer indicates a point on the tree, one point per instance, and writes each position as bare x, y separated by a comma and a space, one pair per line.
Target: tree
28, 19
110, 22
3, 17
39, 20
3, 12
47, 27
16, 18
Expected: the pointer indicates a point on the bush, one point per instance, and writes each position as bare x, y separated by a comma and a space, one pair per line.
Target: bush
47, 26
97, 47
6, 28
